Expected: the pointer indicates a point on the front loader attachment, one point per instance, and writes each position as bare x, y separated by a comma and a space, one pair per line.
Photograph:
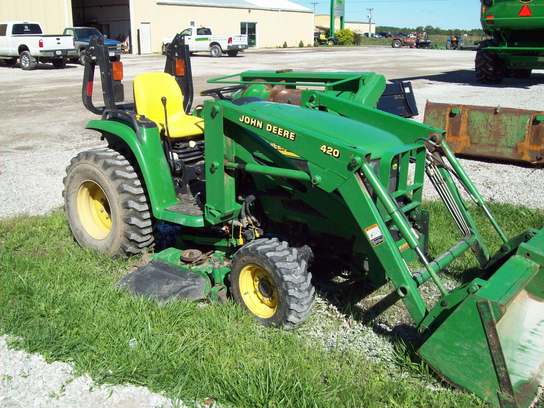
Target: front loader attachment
492, 342
491, 133
486, 335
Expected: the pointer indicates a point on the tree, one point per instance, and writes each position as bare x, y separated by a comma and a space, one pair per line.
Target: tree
430, 29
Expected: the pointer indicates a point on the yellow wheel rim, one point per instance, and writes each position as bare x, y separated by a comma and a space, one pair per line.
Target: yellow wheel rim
94, 211
258, 291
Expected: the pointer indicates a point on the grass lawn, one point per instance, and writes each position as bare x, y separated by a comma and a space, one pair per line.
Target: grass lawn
60, 301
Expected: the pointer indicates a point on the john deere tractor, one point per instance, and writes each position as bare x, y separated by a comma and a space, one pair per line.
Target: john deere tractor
278, 168
517, 43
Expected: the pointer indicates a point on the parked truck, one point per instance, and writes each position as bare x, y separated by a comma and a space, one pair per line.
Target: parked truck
82, 37
25, 41
201, 39
516, 46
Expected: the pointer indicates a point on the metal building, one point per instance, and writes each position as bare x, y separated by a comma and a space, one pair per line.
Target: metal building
146, 23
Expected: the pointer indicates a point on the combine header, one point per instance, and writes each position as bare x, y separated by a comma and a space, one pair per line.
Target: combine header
491, 133
282, 167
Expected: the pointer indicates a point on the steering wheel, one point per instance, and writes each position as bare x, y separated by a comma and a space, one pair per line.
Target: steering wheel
219, 93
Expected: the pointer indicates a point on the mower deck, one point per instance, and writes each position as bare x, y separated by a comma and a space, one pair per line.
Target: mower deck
164, 282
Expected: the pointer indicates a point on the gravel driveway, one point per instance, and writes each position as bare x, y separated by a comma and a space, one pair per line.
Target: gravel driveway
28, 381
43, 118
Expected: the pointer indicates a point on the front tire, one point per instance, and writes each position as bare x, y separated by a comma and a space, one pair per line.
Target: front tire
27, 61
271, 281
489, 68
216, 51
106, 205
396, 44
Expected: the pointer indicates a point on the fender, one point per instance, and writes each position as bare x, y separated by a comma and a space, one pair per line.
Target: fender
147, 150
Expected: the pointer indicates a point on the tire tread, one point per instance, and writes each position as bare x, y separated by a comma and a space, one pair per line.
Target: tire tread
137, 233
293, 272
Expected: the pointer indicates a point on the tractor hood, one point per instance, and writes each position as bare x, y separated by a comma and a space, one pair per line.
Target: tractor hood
330, 128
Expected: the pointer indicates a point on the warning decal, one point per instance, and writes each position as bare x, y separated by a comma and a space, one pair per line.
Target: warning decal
374, 234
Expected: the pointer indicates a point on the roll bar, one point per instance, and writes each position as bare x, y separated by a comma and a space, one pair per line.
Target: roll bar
178, 64
112, 90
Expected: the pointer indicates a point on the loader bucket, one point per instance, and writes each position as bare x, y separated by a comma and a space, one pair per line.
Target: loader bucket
491, 133
492, 342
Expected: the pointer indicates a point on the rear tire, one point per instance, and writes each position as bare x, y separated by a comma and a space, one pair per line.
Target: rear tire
232, 53
396, 44
489, 68
216, 51
27, 61
59, 63
271, 281
106, 205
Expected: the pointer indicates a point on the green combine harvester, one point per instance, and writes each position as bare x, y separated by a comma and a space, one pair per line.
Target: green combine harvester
281, 167
517, 44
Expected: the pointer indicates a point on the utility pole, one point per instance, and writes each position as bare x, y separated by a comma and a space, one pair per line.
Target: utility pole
314, 3
370, 12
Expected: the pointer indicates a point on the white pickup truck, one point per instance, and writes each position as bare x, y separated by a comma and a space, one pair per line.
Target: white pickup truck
24, 40
201, 40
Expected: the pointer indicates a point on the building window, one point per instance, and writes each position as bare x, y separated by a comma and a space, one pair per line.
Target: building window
249, 29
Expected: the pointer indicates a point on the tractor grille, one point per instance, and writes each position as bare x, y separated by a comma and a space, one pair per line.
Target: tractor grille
189, 152
404, 180
402, 177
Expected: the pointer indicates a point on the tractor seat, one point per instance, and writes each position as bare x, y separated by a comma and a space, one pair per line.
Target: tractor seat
149, 89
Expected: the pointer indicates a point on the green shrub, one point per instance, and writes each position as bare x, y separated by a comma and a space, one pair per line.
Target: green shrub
345, 36
285, 44
301, 44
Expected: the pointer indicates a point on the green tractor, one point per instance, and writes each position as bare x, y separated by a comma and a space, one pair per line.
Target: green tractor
279, 168
517, 44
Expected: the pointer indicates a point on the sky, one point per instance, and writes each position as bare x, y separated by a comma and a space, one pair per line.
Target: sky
463, 14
